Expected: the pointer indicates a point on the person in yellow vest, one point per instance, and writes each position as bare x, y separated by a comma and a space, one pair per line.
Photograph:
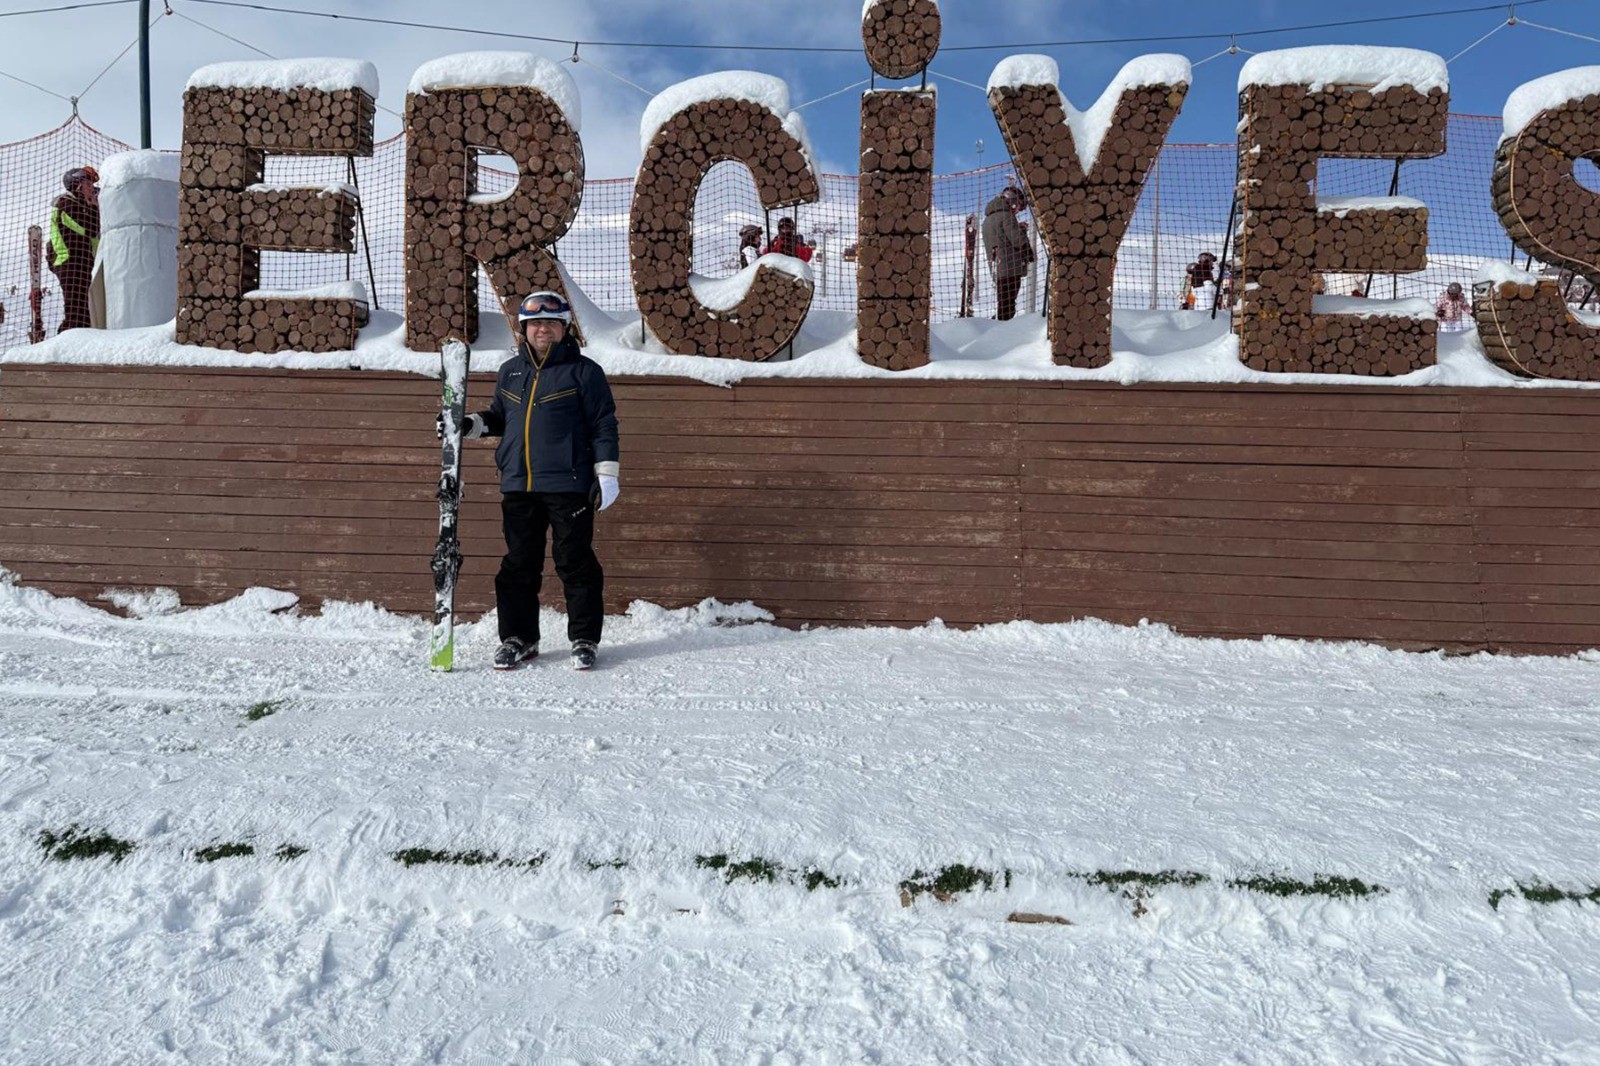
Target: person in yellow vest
74, 239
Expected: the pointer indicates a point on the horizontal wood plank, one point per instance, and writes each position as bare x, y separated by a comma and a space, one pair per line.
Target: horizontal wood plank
1427, 517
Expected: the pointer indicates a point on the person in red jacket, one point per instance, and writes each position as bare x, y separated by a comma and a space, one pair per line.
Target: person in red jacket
74, 239
789, 242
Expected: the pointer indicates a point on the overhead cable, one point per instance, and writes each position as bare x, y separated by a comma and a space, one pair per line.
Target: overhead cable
855, 50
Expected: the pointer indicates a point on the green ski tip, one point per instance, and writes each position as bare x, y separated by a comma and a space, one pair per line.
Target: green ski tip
443, 658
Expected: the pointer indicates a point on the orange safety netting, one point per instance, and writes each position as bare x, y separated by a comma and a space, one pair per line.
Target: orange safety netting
1184, 211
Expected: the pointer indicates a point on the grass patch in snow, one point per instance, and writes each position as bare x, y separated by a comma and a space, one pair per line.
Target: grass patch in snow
1540, 892
75, 842
429, 856
606, 864
1332, 887
949, 882
289, 852
759, 869
814, 879
264, 709
224, 851
1112, 880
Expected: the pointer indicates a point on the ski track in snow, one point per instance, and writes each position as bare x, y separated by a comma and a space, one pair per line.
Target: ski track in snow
870, 753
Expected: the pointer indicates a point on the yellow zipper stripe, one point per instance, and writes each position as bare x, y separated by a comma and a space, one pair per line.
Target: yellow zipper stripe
527, 418
558, 395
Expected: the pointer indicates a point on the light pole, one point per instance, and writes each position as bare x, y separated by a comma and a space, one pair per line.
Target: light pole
144, 73
825, 231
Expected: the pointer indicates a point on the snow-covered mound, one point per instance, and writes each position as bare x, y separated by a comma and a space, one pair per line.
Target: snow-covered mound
145, 165
761, 89
1322, 66
1089, 128
1546, 93
336, 854
327, 75
481, 69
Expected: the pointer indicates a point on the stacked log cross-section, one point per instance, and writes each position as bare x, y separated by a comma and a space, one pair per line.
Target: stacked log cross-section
1284, 240
1523, 320
661, 238
894, 207
227, 217
451, 227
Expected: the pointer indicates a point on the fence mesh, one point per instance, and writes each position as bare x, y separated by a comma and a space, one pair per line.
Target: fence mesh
1184, 211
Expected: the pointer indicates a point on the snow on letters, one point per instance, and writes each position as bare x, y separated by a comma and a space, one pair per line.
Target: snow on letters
473, 70
761, 89
327, 75
1320, 67
1543, 94
1089, 127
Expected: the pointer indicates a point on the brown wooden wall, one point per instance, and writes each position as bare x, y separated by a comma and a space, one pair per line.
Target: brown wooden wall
1417, 517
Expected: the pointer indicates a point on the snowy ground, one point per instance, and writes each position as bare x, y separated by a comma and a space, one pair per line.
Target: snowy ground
1051, 752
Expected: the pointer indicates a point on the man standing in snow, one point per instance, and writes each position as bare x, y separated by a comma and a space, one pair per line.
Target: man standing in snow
1453, 310
74, 239
558, 465
1007, 246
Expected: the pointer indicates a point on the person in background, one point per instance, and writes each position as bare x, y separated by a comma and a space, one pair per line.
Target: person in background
1453, 309
74, 240
1006, 244
1358, 292
749, 245
1198, 275
789, 242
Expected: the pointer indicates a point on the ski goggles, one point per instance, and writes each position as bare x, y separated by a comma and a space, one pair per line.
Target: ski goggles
544, 305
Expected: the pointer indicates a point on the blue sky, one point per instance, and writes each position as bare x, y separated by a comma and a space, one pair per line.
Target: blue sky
64, 51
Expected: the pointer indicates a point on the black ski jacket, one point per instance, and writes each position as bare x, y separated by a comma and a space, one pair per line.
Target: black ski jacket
555, 421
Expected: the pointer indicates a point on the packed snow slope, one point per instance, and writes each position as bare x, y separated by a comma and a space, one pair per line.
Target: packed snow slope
1052, 752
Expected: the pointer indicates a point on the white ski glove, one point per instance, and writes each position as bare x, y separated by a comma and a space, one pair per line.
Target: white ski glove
472, 426
609, 490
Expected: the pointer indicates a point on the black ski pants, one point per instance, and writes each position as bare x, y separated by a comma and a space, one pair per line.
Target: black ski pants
1006, 290
525, 516
74, 278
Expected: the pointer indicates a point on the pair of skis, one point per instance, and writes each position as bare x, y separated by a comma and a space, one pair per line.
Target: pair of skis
35, 289
453, 359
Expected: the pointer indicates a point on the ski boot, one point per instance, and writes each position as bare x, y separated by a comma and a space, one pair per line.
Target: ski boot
513, 652
583, 652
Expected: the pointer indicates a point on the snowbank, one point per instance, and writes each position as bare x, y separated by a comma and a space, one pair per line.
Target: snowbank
1089, 128
1340, 206
1542, 94
336, 290
1323, 66
1146, 346
1049, 752
147, 165
328, 75
724, 294
1496, 271
470, 70
1362, 307
761, 89
332, 188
